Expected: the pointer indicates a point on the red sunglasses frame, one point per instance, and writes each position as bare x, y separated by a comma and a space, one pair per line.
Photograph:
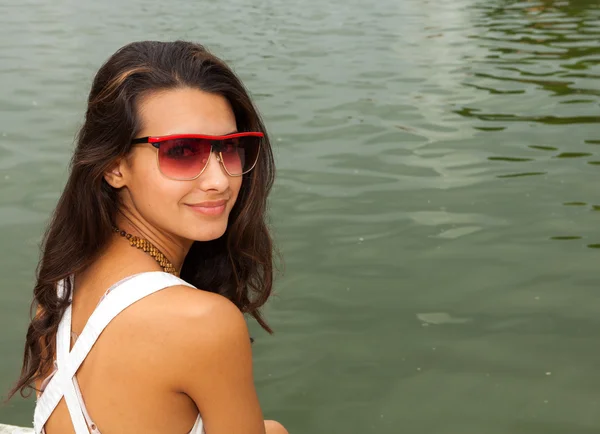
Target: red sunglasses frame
156, 140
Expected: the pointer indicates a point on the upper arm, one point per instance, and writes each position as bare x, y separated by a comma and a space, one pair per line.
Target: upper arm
215, 363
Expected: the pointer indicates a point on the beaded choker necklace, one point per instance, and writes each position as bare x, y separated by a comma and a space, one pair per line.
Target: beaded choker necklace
148, 247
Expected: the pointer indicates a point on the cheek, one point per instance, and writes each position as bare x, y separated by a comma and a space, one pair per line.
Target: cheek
151, 191
235, 184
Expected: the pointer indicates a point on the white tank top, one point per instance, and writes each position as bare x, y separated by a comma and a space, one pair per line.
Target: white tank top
62, 381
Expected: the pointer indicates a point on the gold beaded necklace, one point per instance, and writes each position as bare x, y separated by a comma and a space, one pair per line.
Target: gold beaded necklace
148, 247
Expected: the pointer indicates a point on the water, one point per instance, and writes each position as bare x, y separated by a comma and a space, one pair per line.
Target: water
437, 198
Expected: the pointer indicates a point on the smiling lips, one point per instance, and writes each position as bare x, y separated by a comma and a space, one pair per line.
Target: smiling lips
212, 208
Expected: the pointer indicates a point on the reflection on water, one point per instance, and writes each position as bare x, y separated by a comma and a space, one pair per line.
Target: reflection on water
436, 201
541, 66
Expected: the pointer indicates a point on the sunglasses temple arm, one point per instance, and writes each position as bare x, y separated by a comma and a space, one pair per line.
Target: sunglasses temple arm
141, 140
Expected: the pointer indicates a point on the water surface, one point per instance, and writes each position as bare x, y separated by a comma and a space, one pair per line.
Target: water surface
437, 198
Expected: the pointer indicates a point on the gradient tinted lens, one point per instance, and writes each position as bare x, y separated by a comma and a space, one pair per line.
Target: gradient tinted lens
183, 158
239, 154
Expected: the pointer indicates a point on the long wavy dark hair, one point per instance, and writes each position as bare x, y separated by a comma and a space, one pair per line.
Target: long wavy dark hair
238, 265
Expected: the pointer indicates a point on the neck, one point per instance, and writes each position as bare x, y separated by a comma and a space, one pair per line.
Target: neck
172, 247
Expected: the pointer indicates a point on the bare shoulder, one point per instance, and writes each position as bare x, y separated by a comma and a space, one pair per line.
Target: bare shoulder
204, 330
191, 304
199, 346
181, 332
193, 313
189, 320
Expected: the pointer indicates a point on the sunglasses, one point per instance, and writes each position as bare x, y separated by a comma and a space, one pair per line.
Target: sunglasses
184, 157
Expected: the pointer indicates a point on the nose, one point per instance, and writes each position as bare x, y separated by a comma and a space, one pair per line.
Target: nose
214, 176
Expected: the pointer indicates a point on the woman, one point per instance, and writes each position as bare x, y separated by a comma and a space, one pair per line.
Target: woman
169, 178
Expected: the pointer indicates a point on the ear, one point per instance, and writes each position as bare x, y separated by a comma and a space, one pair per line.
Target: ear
114, 176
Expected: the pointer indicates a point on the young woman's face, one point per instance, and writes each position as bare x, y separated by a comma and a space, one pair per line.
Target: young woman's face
189, 209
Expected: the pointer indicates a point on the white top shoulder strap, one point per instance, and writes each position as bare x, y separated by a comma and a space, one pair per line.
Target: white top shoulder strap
121, 297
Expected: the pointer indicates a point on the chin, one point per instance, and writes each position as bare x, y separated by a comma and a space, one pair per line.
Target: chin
210, 231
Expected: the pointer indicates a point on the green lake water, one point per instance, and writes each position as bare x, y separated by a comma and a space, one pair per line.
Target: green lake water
437, 201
